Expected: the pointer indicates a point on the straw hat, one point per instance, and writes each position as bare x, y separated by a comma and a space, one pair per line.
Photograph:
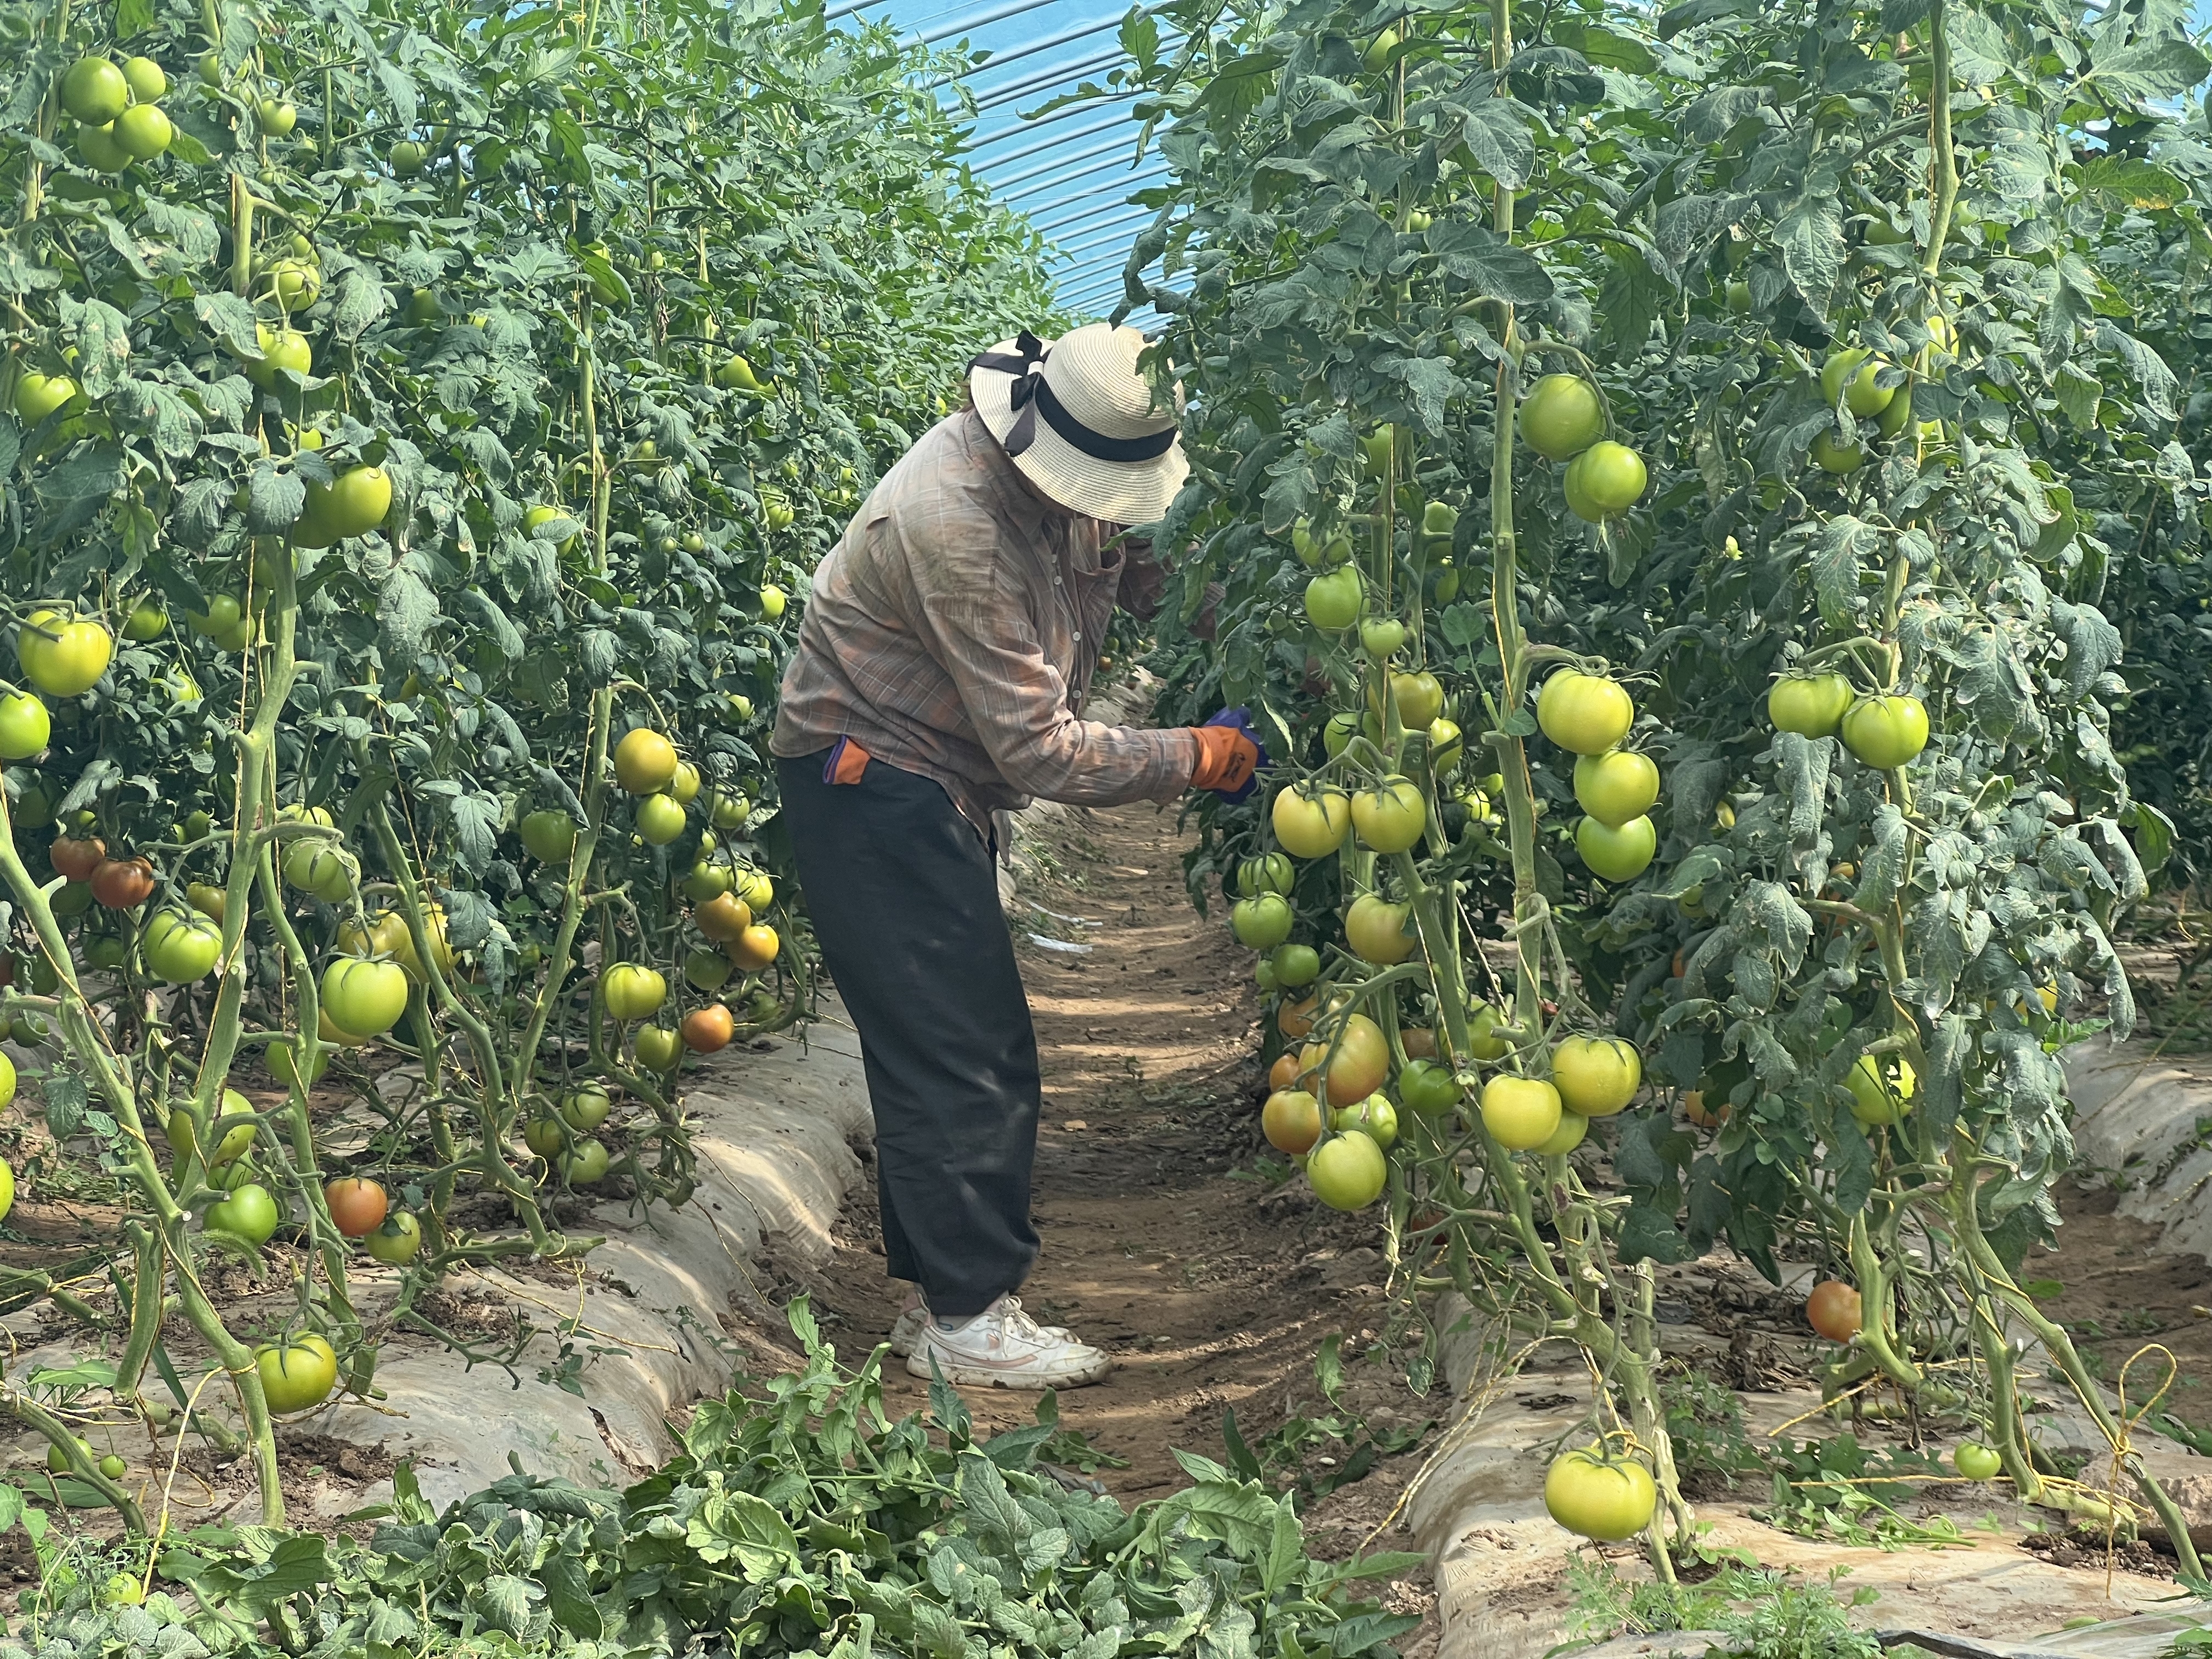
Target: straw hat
1078, 419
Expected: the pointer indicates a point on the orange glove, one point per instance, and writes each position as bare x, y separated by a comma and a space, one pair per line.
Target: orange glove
1227, 758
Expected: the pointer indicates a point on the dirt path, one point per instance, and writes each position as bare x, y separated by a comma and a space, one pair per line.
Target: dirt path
1159, 1244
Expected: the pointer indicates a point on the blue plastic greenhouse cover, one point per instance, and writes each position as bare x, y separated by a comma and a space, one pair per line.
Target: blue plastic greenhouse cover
1073, 170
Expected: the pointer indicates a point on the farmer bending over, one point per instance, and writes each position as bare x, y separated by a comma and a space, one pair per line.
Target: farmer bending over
940, 678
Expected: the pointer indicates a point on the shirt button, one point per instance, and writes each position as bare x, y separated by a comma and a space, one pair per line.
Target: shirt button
1078, 636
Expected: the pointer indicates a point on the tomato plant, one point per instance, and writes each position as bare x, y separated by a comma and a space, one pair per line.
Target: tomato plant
1779, 377
480, 387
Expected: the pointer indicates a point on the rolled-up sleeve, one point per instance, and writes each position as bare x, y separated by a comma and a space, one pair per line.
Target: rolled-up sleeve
1018, 703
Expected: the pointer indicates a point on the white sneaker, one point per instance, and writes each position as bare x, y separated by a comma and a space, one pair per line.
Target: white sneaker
1002, 1347
914, 1319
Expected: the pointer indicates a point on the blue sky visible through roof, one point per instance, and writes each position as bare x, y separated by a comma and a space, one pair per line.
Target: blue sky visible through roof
1072, 171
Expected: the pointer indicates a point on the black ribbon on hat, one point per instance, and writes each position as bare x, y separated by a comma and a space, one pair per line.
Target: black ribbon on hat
1030, 397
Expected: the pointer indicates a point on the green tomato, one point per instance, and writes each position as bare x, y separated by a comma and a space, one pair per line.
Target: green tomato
38, 396
95, 91
1832, 455
1428, 1087
398, 1241
1381, 637
147, 621
1562, 417
1886, 732
633, 992
586, 1163
585, 1108
658, 1048
1374, 1117
180, 946
549, 836
1333, 601
1617, 852
1296, 965
250, 1213
1272, 873
364, 999
143, 133
1616, 786
1605, 480
25, 727
1811, 705
1975, 1461
1261, 923
1851, 376
660, 819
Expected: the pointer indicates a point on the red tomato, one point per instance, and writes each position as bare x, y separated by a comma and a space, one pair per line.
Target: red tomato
357, 1205
705, 1030
123, 884
1834, 1310
76, 859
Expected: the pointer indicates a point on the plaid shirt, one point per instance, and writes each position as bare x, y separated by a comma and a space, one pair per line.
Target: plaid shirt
953, 631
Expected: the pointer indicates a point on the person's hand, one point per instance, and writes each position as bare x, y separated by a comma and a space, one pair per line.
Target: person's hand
1230, 756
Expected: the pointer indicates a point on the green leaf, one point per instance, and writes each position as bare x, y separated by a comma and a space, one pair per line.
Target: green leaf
1810, 237
2152, 70
2149, 369
1498, 137
230, 321
66, 1099
1488, 265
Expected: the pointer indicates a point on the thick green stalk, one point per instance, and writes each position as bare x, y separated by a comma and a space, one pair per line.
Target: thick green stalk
562, 955
1942, 158
149, 1281
1993, 1280
490, 1159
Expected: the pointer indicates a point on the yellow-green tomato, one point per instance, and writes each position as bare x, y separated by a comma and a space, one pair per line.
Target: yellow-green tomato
1587, 713
1886, 732
1617, 786
1811, 705
1390, 816
1596, 1076
1573, 1127
1620, 853
1375, 1117
1521, 1113
1347, 1172
1599, 1497
1880, 1092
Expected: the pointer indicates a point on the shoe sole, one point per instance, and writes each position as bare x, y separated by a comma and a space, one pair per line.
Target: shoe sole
917, 1365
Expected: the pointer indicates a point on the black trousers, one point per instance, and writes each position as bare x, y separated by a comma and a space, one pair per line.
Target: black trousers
905, 905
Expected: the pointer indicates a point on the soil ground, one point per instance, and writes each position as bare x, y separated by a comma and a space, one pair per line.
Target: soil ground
1213, 1289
